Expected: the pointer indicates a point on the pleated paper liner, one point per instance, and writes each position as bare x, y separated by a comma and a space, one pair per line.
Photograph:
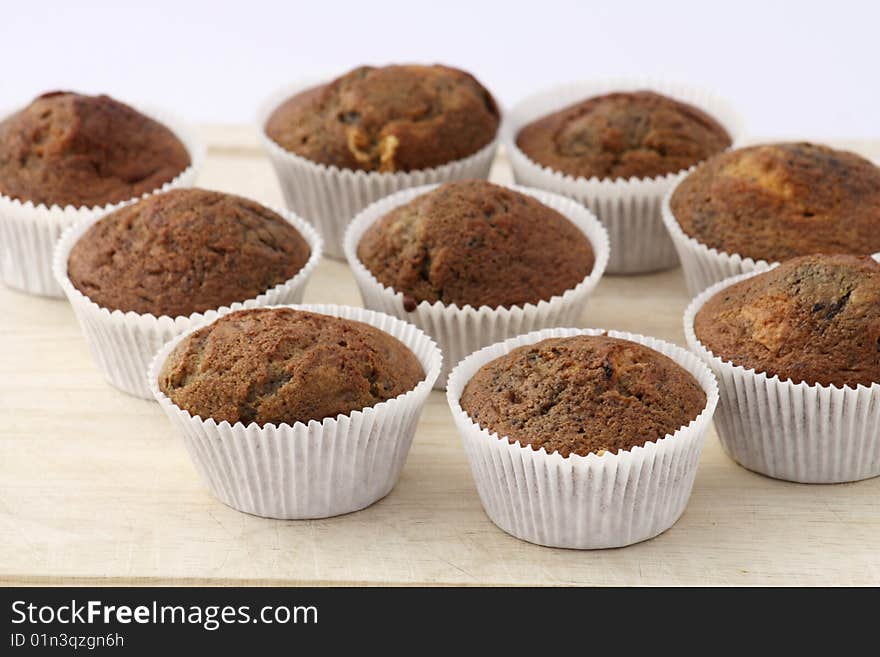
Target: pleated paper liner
794, 431
29, 233
312, 470
583, 502
123, 343
629, 208
330, 197
460, 331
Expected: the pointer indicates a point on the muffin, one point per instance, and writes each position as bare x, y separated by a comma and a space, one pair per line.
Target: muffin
583, 394
391, 118
617, 146
471, 263
638, 134
185, 251
478, 244
70, 149
582, 438
795, 350
149, 271
297, 412
68, 158
280, 365
778, 201
812, 319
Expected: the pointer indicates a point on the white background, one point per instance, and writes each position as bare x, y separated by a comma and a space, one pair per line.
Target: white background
801, 70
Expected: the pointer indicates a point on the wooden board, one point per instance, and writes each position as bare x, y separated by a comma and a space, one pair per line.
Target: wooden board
95, 487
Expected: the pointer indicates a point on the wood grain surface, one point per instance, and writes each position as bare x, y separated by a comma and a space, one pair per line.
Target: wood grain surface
95, 487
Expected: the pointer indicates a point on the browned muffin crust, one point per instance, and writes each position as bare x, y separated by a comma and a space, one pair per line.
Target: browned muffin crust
274, 365
185, 251
814, 319
393, 118
69, 149
640, 134
583, 394
777, 201
479, 244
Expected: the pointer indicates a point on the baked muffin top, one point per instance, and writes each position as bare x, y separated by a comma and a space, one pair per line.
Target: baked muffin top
393, 118
814, 319
69, 149
185, 251
638, 134
776, 201
274, 365
475, 243
583, 394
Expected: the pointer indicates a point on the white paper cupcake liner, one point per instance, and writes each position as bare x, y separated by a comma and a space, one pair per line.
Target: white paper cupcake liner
702, 265
313, 470
123, 343
794, 431
583, 502
629, 209
461, 331
29, 233
330, 197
